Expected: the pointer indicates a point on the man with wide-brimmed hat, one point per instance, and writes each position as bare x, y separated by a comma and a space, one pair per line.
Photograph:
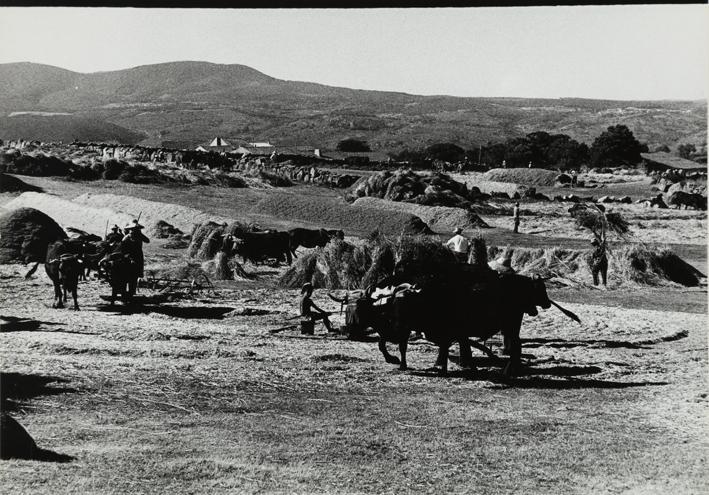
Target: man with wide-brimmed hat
459, 245
115, 236
132, 243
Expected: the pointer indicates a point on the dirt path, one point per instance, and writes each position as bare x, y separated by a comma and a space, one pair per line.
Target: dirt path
158, 401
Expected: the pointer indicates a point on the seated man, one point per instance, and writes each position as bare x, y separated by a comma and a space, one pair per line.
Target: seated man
308, 309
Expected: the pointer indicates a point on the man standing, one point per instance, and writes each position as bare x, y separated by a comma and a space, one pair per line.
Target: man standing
515, 217
132, 244
115, 236
598, 261
459, 245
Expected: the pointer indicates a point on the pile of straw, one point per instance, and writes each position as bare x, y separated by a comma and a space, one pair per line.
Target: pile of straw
25, 234
341, 265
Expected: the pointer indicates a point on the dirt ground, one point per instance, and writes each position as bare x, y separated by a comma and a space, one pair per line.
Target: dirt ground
196, 395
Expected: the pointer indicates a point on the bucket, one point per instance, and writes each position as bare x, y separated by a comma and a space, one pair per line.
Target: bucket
307, 327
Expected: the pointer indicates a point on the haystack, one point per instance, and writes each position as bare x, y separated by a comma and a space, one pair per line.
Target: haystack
628, 265
164, 230
25, 234
439, 218
525, 176
433, 189
340, 265
8, 183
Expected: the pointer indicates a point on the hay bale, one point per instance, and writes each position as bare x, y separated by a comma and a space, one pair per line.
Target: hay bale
25, 234
200, 233
8, 183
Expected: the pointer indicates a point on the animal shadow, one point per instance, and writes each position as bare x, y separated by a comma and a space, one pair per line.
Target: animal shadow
17, 387
529, 376
15, 324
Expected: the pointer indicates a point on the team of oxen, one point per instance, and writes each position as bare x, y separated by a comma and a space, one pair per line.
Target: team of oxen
459, 302
70, 260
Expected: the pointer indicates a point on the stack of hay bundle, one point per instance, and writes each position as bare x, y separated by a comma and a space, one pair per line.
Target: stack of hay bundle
25, 234
206, 246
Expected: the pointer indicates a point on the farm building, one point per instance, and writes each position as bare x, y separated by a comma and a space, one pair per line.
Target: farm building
662, 161
217, 144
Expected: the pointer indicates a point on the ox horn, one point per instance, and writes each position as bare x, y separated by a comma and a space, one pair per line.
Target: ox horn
342, 300
568, 313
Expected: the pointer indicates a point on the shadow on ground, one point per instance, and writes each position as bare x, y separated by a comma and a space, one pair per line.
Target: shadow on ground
562, 343
15, 441
16, 387
187, 312
15, 324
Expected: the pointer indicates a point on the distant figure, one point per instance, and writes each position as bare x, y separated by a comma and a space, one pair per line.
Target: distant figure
574, 179
504, 164
459, 245
515, 218
308, 308
530, 165
132, 244
598, 262
115, 237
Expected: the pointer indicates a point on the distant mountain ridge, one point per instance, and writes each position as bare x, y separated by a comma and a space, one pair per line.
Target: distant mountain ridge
195, 101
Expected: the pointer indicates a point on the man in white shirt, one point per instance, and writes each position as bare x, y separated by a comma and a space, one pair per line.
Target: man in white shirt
459, 245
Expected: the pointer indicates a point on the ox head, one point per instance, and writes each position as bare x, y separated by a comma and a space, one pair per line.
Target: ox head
537, 296
70, 266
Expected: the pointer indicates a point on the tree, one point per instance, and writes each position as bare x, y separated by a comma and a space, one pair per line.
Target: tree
447, 152
686, 150
615, 146
565, 153
662, 147
353, 145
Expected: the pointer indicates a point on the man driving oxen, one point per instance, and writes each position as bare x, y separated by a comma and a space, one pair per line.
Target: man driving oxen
132, 244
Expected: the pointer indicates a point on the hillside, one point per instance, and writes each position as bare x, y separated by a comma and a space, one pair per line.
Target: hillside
66, 128
194, 101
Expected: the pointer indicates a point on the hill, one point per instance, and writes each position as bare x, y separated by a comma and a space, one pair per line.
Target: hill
66, 128
194, 101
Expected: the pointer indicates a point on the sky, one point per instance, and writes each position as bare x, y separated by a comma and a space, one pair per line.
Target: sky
610, 52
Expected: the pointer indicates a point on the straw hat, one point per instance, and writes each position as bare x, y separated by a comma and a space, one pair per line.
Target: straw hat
457, 231
133, 225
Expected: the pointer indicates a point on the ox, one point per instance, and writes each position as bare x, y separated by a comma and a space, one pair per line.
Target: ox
688, 200
258, 246
459, 305
310, 238
64, 266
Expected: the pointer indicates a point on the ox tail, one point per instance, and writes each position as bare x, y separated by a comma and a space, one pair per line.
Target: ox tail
32, 270
568, 313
